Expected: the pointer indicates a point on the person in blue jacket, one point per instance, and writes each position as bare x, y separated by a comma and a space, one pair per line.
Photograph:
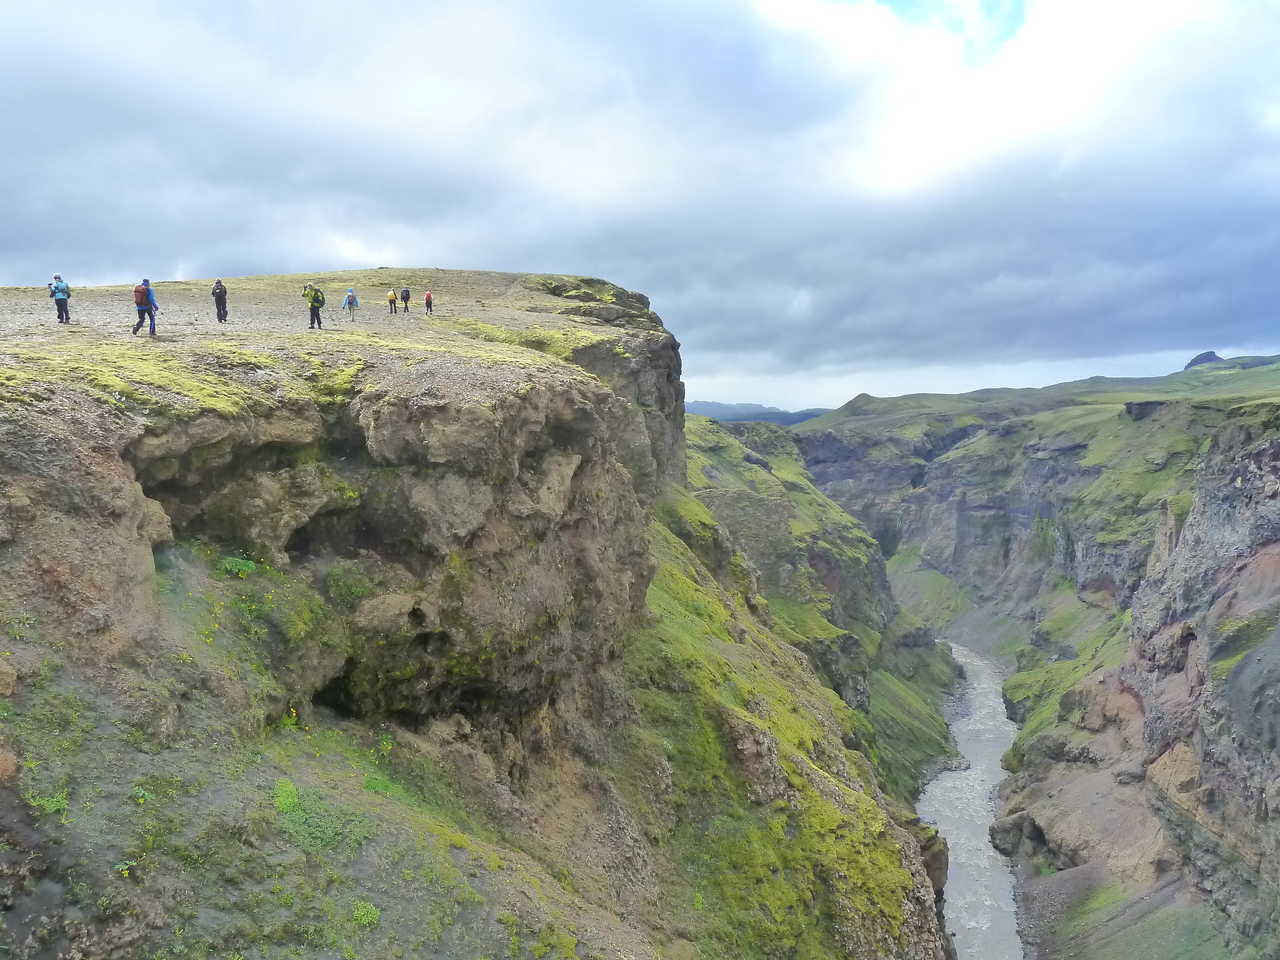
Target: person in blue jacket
61, 293
144, 298
350, 303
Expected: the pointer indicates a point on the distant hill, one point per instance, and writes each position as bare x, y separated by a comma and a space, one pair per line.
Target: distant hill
1236, 377
732, 412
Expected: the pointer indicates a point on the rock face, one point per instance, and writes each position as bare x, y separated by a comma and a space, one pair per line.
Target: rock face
416, 644
1203, 663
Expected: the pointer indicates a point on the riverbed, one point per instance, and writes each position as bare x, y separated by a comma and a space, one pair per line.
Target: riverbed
980, 910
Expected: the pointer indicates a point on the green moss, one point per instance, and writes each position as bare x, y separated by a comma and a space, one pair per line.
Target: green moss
314, 825
690, 520
52, 803
931, 596
1084, 914
346, 584
365, 914
910, 734
804, 621
1044, 539
333, 379
1109, 925
1038, 691
749, 878
555, 943
240, 567
155, 376
1235, 639
561, 343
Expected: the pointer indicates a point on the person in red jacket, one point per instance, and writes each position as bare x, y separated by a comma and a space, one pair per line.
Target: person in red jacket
426, 302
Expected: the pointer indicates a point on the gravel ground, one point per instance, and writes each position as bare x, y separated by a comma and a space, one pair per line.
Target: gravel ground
1043, 903
459, 353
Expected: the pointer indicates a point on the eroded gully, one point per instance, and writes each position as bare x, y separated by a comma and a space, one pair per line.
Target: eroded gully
979, 907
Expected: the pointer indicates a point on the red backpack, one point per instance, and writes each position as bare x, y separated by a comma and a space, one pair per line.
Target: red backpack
140, 296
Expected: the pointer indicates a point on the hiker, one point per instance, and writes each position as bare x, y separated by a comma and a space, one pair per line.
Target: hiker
350, 302
404, 298
219, 294
315, 300
61, 293
391, 301
144, 298
426, 302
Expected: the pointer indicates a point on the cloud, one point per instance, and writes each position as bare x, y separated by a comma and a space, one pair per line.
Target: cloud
843, 184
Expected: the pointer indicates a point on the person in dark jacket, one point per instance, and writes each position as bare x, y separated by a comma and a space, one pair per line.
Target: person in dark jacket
219, 293
404, 298
61, 294
144, 298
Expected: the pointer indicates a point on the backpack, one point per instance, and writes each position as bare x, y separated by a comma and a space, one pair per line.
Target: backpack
140, 298
318, 296
404, 294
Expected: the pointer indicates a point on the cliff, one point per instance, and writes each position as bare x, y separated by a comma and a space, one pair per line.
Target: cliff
1110, 539
415, 641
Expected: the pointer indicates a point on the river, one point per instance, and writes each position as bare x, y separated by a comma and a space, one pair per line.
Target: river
961, 803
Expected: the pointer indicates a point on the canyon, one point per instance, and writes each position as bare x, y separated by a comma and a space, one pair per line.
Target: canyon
455, 637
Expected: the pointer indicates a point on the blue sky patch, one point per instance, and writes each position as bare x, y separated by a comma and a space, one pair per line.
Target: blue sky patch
997, 21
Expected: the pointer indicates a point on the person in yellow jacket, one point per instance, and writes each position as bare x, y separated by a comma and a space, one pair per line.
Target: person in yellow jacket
315, 300
392, 300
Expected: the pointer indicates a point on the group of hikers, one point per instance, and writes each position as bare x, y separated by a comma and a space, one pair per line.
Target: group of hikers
351, 303
144, 301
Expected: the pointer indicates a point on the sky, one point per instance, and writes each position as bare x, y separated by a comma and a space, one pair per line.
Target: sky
822, 197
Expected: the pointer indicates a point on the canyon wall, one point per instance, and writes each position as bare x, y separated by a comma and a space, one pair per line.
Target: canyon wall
1113, 542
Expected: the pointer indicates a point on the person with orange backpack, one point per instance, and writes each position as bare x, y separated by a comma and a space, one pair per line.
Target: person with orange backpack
426, 302
391, 301
144, 299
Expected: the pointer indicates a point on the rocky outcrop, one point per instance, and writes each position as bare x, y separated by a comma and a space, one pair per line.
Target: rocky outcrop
1201, 358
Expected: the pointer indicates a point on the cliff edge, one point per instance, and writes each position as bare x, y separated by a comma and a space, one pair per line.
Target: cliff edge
409, 639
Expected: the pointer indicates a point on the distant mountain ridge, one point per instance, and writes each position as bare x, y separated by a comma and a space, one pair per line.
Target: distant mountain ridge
1230, 377
736, 412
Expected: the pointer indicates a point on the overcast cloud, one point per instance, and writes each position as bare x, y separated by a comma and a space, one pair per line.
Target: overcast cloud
821, 196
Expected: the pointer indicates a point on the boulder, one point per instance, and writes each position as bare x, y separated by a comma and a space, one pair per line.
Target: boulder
1008, 833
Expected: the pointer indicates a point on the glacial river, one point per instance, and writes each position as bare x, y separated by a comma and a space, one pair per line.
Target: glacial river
979, 905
